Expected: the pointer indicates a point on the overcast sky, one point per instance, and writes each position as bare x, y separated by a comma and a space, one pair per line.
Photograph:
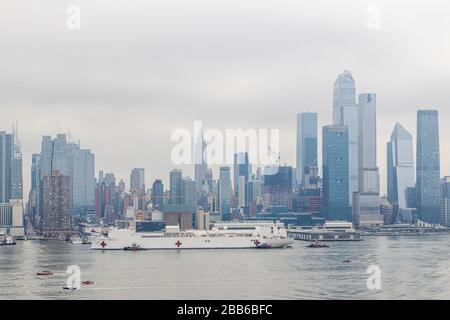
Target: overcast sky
138, 70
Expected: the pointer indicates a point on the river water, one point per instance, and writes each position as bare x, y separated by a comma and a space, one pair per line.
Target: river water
411, 267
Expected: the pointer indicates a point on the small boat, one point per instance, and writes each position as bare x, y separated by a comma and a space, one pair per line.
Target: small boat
134, 247
87, 282
86, 241
76, 240
44, 273
67, 288
10, 241
318, 244
347, 260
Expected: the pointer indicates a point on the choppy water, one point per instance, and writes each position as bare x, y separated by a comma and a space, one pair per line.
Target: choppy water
411, 268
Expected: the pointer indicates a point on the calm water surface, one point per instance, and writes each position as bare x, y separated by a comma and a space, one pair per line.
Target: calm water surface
411, 268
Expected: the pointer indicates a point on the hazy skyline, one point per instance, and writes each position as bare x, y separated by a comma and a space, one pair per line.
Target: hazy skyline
138, 70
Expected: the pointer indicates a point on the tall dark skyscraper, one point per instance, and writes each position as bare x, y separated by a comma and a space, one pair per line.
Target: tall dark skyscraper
428, 166
33, 197
224, 193
335, 173
175, 187
158, 194
6, 166
306, 143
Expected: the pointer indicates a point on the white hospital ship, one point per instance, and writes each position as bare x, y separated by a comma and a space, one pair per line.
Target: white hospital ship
223, 235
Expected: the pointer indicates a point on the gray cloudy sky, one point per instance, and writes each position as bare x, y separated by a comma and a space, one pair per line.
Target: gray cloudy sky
137, 70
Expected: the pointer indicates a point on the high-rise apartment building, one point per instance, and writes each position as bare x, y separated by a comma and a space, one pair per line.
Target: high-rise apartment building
57, 218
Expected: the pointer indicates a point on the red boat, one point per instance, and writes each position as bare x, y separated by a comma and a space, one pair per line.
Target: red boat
44, 273
87, 282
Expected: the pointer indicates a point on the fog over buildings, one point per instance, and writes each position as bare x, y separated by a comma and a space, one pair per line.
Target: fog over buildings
137, 70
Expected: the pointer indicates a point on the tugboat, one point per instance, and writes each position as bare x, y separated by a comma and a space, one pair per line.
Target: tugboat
44, 273
133, 247
318, 244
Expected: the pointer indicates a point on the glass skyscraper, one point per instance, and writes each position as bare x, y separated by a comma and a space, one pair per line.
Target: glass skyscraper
368, 210
17, 176
6, 166
335, 173
158, 194
306, 143
428, 166
224, 193
400, 166
242, 167
175, 187
345, 112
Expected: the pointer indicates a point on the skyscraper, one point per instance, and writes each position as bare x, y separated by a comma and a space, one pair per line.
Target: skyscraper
158, 194
17, 176
57, 218
345, 112
33, 198
83, 181
428, 166
306, 143
189, 194
175, 187
137, 180
445, 202
201, 165
242, 167
335, 173
224, 193
109, 179
400, 166
277, 189
368, 212
6, 166
69, 160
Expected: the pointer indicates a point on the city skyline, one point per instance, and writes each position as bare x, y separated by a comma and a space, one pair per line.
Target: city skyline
189, 170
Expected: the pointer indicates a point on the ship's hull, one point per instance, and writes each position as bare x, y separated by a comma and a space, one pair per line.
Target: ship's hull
167, 243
